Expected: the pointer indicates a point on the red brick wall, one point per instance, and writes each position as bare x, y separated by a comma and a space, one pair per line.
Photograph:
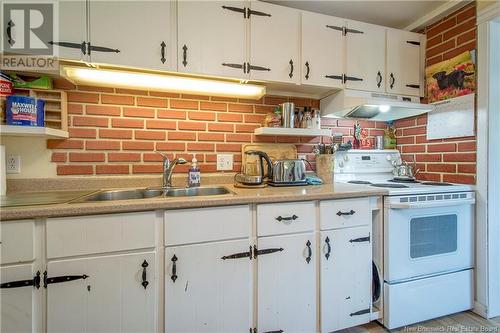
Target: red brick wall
452, 160
115, 131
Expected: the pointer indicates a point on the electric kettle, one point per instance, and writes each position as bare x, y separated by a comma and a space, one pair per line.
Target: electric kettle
252, 172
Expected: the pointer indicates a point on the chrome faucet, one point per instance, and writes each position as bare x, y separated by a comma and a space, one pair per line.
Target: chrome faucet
168, 168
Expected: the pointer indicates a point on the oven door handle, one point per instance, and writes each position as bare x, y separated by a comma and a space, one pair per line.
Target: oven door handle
446, 203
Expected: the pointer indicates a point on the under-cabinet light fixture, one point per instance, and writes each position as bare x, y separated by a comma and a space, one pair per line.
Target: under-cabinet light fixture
161, 82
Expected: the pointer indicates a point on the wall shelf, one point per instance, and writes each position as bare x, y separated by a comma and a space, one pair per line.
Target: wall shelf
10, 130
280, 131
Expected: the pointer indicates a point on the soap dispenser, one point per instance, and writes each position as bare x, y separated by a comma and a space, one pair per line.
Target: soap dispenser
194, 177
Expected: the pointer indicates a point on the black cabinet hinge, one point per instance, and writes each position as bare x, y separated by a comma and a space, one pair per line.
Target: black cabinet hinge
360, 239
239, 255
35, 283
257, 252
256, 13
416, 86
360, 312
413, 42
61, 279
237, 9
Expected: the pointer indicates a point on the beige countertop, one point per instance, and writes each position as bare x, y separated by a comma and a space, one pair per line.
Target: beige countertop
240, 196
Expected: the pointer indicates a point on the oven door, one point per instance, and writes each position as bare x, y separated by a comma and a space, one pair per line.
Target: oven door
424, 237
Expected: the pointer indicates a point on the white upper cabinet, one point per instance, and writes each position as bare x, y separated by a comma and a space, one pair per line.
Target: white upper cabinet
132, 33
404, 69
365, 59
322, 60
212, 37
274, 43
71, 37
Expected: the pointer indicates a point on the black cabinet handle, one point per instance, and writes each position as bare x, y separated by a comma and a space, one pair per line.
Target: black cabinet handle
413, 42
144, 274
236, 9
239, 66
328, 248
360, 312
102, 49
10, 40
291, 69
257, 68
335, 77
163, 46
239, 255
81, 46
173, 277
35, 282
416, 86
257, 13
360, 240
287, 218
379, 79
307, 70
257, 252
392, 80
184, 55
309, 252
351, 212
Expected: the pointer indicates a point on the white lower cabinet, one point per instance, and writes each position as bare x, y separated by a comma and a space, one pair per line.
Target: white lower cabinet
346, 275
113, 293
208, 287
286, 283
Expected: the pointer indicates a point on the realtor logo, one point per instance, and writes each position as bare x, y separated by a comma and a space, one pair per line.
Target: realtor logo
28, 28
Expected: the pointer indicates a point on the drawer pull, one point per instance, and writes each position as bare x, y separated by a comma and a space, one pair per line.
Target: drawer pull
328, 248
351, 212
144, 274
287, 218
163, 46
309, 252
174, 268
360, 312
360, 240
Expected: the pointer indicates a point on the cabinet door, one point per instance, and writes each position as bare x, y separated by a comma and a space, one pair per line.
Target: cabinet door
20, 306
365, 67
404, 71
212, 37
345, 278
203, 292
112, 298
274, 43
322, 50
287, 284
132, 33
70, 38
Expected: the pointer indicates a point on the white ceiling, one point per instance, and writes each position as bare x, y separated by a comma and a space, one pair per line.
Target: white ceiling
396, 14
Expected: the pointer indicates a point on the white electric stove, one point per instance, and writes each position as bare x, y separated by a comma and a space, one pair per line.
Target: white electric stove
426, 260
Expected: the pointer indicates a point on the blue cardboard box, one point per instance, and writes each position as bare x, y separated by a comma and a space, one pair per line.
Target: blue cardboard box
24, 111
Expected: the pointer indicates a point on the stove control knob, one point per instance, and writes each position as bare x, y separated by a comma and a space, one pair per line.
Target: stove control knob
388, 157
346, 158
341, 164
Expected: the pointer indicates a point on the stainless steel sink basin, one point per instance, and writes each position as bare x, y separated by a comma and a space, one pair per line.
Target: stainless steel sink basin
129, 194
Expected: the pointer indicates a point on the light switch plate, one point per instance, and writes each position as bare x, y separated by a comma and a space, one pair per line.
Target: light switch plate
224, 162
13, 164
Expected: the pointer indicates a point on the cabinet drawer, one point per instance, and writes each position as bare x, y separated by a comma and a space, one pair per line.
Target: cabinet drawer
69, 236
17, 239
283, 218
186, 226
344, 213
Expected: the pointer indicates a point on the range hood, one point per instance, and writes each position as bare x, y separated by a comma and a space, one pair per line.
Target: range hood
355, 104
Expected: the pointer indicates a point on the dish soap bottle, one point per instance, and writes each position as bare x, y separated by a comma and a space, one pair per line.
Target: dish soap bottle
194, 177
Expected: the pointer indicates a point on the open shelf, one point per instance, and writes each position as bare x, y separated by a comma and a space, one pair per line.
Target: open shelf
11, 130
280, 131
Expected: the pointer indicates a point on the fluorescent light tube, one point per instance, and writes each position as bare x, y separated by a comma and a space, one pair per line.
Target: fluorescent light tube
161, 82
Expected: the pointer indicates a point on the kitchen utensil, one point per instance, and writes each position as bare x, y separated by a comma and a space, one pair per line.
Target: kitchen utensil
288, 114
379, 142
253, 170
324, 167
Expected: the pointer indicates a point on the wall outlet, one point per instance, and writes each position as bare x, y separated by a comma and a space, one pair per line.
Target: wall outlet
224, 162
301, 156
13, 164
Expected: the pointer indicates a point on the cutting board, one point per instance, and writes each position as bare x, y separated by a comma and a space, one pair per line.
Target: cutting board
276, 151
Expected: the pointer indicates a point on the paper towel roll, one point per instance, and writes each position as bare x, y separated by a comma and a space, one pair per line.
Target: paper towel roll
3, 185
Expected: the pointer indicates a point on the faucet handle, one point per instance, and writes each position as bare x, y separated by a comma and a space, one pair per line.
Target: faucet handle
165, 156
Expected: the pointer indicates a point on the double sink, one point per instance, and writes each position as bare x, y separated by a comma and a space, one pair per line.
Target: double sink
146, 193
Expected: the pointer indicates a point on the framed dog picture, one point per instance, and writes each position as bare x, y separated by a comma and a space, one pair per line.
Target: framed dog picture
451, 78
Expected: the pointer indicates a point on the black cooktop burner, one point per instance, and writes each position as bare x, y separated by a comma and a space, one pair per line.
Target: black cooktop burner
390, 185
436, 184
403, 181
361, 182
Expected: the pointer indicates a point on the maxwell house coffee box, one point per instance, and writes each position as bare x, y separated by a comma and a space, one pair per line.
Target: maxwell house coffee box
24, 111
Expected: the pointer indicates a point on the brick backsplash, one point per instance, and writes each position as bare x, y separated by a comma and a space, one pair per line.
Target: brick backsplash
116, 131
449, 160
